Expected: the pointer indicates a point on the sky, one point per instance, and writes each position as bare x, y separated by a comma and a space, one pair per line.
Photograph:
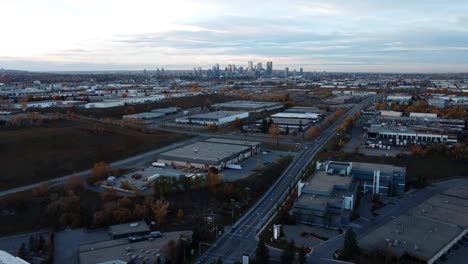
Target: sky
333, 35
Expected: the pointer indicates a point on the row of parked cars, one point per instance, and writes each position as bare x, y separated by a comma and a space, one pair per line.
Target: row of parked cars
152, 235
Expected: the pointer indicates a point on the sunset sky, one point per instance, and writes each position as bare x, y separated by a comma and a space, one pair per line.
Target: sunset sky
376, 36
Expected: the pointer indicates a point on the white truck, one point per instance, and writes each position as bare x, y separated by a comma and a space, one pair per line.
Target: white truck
158, 164
234, 166
152, 177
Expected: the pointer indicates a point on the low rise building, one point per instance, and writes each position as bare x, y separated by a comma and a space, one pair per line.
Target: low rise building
217, 118
327, 199
144, 116
251, 106
425, 233
213, 152
129, 229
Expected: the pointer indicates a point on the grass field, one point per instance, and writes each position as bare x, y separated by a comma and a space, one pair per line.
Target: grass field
35, 154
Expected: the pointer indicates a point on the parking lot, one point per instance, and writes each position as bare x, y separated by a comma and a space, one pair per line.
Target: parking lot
68, 241
254, 163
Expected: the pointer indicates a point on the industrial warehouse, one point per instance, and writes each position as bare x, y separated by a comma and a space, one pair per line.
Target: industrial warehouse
213, 152
251, 106
217, 118
327, 199
428, 232
418, 128
295, 119
154, 114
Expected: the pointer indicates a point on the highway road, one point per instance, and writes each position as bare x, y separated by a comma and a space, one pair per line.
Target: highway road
241, 240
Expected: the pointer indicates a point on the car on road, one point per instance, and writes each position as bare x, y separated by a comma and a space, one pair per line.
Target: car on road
155, 234
338, 254
233, 230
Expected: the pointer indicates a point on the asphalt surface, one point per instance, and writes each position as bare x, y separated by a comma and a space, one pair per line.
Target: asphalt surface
241, 240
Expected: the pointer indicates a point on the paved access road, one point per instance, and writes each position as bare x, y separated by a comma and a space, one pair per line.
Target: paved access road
242, 239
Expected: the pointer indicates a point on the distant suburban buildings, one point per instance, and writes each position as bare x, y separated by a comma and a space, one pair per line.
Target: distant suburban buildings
327, 199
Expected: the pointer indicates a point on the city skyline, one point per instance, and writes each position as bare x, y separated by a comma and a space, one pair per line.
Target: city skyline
367, 36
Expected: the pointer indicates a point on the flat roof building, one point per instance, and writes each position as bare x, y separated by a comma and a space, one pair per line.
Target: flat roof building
217, 118
211, 152
129, 229
144, 116
251, 106
427, 232
327, 199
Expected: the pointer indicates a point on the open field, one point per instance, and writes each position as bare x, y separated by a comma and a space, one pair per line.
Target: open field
39, 153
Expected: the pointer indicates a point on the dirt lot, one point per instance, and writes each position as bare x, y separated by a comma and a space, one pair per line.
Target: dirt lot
39, 153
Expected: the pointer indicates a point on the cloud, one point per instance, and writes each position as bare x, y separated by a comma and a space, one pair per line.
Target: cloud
180, 33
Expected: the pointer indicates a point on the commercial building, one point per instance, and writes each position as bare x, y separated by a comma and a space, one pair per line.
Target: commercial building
291, 124
295, 118
327, 199
37, 104
399, 99
144, 116
213, 152
304, 109
167, 111
128, 229
250, 106
217, 118
427, 232
125, 101
410, 135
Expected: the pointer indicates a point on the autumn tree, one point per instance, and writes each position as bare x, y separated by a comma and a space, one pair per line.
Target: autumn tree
109, 195
237, 123
100, 170
75, 182
125, 185
275, 132
213, 177
124, 95
24, 105
130, 110
312, 133
212, 127
160, 209
417, 151
42, 189
180, 215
